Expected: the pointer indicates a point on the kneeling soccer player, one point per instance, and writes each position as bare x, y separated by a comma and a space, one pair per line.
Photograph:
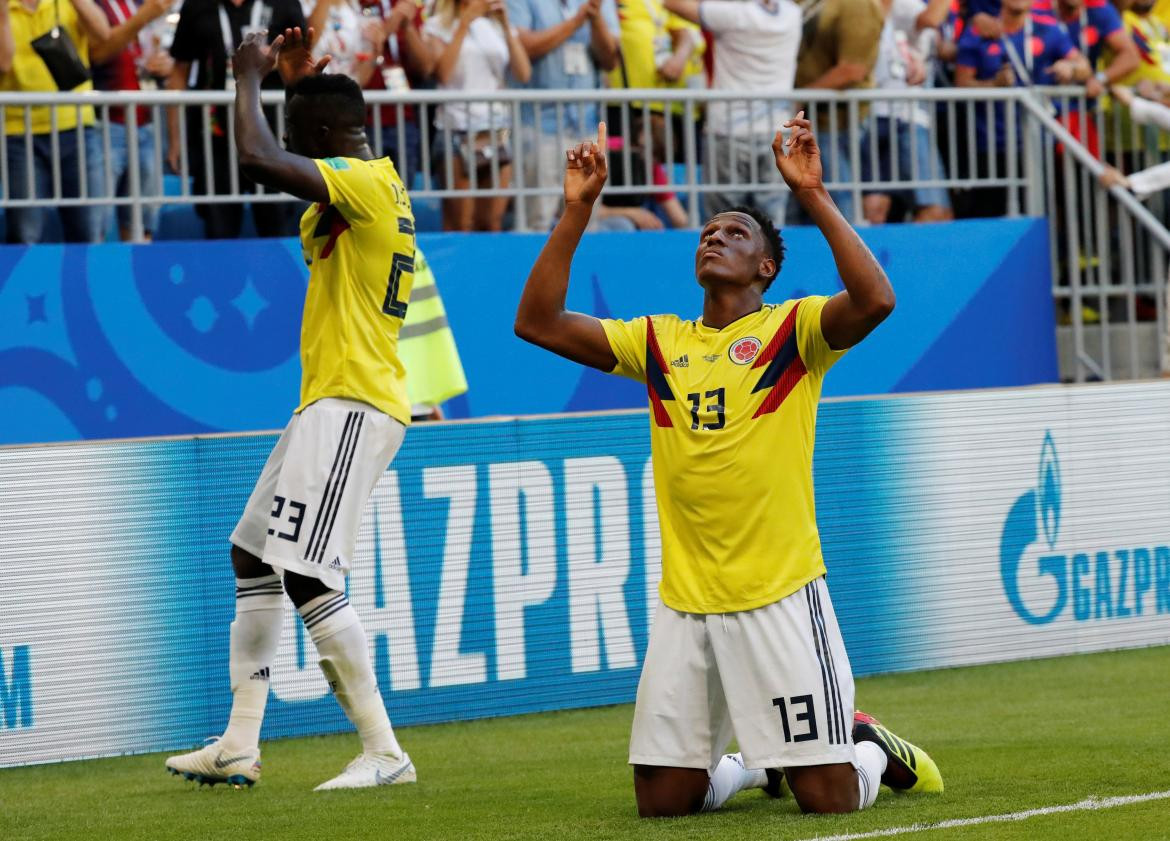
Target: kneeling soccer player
303, 516
745, 641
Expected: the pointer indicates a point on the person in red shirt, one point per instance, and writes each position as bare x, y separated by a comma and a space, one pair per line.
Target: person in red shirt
132, 59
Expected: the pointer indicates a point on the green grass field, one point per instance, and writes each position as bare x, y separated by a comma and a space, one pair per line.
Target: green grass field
1008, 738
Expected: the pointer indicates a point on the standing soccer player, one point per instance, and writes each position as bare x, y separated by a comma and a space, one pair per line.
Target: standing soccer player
745, 641
302, 519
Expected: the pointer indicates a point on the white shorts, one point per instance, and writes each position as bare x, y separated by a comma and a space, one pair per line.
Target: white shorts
777, 678
304, 512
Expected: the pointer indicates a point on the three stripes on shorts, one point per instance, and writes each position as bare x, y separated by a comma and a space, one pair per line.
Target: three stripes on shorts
334, 488
840, 727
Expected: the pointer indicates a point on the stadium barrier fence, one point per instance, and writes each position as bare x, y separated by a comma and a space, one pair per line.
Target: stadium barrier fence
509, 566
1109, 251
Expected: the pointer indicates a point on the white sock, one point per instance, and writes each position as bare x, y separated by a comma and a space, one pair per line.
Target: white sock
729, 778
871, 764
345, 660
255, 636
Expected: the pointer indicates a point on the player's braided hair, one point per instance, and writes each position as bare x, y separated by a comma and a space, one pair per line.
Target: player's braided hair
772, 236
334, 93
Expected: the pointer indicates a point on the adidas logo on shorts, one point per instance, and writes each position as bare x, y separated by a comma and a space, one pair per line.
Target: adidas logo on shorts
335, 563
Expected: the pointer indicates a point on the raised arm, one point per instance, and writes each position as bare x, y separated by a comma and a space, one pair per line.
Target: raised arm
122, 34
518, 64
7, 44
93, 20
934, 15
542, 318
540, 42
686, 9
447, 52
851, 315
261, 158
416, 56
602, 39
1126, 58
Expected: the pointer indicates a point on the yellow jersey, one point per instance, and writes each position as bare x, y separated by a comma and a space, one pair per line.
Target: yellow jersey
360, 251
1162, 11
645, 41
732, 423
1153, 45
30, 73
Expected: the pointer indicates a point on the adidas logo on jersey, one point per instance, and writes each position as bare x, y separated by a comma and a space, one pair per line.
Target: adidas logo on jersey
261, 674
683, 361
335, 563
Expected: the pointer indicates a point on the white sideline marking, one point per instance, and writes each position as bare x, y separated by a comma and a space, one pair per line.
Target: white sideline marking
1088, 804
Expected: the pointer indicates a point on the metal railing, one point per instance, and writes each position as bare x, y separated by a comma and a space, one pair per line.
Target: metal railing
679, 149
1108, 249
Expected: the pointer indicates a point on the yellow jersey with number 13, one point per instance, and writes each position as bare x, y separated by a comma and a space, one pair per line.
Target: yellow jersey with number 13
732, 420
360, 252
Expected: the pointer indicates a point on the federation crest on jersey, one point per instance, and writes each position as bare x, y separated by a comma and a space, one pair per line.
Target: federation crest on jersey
743, 351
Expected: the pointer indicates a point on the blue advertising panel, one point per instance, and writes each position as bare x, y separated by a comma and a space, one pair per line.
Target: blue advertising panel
177, 338
511, 566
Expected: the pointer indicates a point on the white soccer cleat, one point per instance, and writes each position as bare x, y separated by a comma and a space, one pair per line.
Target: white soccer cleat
213, 764
373, 769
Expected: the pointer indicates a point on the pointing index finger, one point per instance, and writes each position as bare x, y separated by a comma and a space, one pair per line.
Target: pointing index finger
601, 133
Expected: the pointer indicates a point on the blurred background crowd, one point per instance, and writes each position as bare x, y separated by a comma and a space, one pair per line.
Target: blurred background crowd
1113, 54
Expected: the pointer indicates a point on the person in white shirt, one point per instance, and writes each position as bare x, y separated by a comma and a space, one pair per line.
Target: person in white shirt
897, 146
476, 49
756, 42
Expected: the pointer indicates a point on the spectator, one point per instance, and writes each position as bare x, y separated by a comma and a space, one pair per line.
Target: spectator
1051, 58
406, 63
1152, 40
657, 50
352, 38
127, 61
946, 48
839, 50
899, 141
475, 49
77, 152
1094, 25
208, 32
636, 212
570, 43
380, 44
755, 52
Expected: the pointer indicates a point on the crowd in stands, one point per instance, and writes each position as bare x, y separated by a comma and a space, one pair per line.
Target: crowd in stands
749, 47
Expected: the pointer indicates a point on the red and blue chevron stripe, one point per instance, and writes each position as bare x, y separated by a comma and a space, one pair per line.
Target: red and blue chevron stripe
785, 367
1144, 49
656, 385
